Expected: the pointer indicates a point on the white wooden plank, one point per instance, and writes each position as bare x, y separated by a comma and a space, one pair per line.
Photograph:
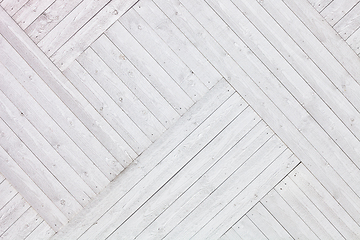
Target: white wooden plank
124, 99
122, 67
23, 226
11, 6
147, 161
37, 172
31, 192
48, 156
115, 116
163, 55
349, 23
163, 172
32, 111
319, 5
104, 151
173, 37
268, 225
90, 32
137, 55
260, 102
231, 234
206, 182
326, 203
52, 16
11, 212
43, 231
147, 217
245, 200
246, 229
7, 192
70, 25
305, 88
30, 11
287, 217
337, 10
306, 210
330, 39
353, 41
2, 178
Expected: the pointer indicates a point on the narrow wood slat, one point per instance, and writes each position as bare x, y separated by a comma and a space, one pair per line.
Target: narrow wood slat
7, 192
147, 161
319, 5
326, 203
151, 215
23, 226
105, 140
37, 172
51, 17
30, 11
115, 116
163, 55
70, 25
137, 55
247, 230
266, 223
127, 72
174, 39
306, 210
353, 41
163, 172
31, 192
43, 231
287, 217
125, 99
337, 9
207, 181
11, 6
11, 212
48, 156
90, 32
349, 23
231, 234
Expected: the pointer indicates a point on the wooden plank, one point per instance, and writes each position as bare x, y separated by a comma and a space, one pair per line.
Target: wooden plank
326, 203
31, 192
231, 234
204, 182
11, 212
33, 112
125, 99
37, 172
337, 9
43, 231
151, 216
146, 92
104, 151
30, 11
2, 178
306, 210
70, 25
174, 39
7, 192
349, 23
115, 116
137, 55
163, 55
312, 82
90, 32
23, 226
268, 225
11, 6
283, 213
275, 91
319, 5
333, 49
163, 172
246, 229
147, 161
51, 17
353, 41
47, 155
